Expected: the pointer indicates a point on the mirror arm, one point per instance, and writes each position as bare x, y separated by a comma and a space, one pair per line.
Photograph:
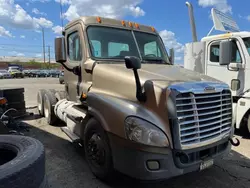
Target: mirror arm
76, 70
141, 96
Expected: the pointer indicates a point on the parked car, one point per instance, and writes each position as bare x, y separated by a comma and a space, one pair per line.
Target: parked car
61, 77
42, 73
27, 73
16, 73
54, 73
36, 73
4, 74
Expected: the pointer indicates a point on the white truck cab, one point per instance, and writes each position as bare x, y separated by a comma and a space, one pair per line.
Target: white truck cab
225, 57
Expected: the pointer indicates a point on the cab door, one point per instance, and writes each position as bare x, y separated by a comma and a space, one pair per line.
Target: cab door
232, 74
75, 55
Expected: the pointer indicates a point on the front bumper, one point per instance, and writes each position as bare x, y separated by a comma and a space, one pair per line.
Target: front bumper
153, 163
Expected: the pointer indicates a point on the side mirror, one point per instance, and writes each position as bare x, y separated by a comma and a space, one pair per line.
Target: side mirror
135, 64
132, 62
60, 50
171, 53
225, 52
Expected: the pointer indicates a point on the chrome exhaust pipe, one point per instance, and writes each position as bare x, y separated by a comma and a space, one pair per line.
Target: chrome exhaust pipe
192, 21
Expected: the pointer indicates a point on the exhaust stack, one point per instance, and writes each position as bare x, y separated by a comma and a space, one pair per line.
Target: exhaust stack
192, 21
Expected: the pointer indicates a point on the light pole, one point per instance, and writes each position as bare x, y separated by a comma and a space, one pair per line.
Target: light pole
43, 46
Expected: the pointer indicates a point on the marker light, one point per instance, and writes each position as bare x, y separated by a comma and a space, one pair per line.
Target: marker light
123, 23
137, 25
98, 19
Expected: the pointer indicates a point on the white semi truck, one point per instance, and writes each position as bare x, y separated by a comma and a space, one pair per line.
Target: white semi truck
225, 57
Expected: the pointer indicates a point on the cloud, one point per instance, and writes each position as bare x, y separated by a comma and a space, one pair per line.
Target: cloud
22, 36
105, 8
64, 2
43, 22
4, 32
178, 58
38, 55
15, 53
221, 5
36, 11
248, 18
41, 1
14, 15
170, 41
57, 29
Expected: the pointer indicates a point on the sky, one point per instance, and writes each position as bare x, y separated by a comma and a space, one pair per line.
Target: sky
21, 21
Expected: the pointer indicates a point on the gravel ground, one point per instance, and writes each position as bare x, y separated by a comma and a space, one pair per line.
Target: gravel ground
66, 167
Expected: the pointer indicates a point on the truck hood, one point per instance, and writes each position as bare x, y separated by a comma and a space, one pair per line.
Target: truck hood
172, 73
113, 78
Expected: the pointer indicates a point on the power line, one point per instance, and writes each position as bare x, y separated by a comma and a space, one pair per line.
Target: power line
22, 45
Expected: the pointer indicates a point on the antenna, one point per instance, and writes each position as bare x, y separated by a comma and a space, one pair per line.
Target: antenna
61, 15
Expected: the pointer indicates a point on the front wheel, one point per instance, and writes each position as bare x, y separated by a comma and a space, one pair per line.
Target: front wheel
97, 151
245, 126
248, 125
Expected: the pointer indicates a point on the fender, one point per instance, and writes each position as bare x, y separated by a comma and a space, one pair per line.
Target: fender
111, 111
243, 105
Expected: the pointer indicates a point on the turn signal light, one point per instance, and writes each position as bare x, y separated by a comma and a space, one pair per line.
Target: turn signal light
84, 96
3, 101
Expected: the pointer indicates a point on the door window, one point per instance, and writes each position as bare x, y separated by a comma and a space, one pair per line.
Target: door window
236, 58
74, 47
215, 53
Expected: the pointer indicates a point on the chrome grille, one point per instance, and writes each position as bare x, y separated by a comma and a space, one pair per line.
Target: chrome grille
205, 116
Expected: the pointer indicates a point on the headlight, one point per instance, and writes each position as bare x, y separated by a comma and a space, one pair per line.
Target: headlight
141, 131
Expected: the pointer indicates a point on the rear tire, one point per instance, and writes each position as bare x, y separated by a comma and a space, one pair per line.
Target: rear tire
49, 105
60, 95
97, 151
52, 91
40, 101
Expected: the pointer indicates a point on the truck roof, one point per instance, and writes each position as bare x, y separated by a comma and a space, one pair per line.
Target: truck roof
227, 35
96, 20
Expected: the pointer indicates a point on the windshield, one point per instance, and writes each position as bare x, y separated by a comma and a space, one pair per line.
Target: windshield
247, 44
113, 43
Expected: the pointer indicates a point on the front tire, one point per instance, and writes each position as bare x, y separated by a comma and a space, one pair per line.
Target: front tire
97, 151
248, 125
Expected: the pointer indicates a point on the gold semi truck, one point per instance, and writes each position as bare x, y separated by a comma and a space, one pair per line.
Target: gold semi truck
131, 108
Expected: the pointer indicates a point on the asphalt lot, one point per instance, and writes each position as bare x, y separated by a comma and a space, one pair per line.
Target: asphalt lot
66, 167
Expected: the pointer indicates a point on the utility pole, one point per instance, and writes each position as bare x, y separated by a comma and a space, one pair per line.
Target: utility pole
49, 53
61, 14
43, 46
